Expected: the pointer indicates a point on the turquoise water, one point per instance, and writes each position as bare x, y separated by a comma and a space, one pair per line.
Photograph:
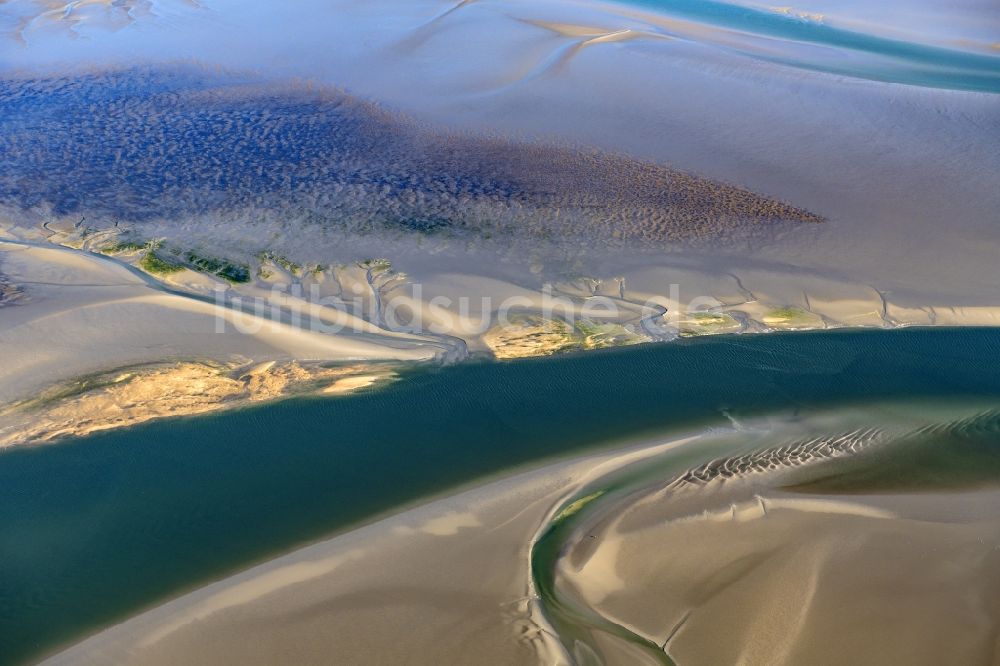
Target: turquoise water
881, 59
95, 529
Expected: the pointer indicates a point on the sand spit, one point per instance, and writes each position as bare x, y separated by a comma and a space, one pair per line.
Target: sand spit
135, 394
404, 589
99, 346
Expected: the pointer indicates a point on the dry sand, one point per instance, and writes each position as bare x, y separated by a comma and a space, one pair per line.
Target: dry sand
139, 393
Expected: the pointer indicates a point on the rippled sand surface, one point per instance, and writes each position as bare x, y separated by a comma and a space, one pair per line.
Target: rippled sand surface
735, 566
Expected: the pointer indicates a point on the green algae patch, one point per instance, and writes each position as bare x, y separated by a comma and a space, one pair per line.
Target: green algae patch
156, 265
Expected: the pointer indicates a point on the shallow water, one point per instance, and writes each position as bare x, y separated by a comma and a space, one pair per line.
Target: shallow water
848, 52
93, 530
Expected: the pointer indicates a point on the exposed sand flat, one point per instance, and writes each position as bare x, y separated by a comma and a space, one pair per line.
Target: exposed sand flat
908, 199
780, 173
9, 294
797, 580
82, 315
903, 194
136, 394
904, 174
798, 577
357, 168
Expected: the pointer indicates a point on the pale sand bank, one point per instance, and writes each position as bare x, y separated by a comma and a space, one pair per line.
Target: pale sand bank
728, 566
90, 345
135, 394
871, 580
86, 314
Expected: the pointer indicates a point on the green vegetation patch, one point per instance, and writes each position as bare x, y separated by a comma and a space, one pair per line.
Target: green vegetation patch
282, 261
577, 506
222, 268
790, 317
786, 313
600, 335
122, 246
153, 263
708, 323
375, 265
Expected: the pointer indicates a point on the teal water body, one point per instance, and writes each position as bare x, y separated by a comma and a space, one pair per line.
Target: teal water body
95, 529
842, 51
